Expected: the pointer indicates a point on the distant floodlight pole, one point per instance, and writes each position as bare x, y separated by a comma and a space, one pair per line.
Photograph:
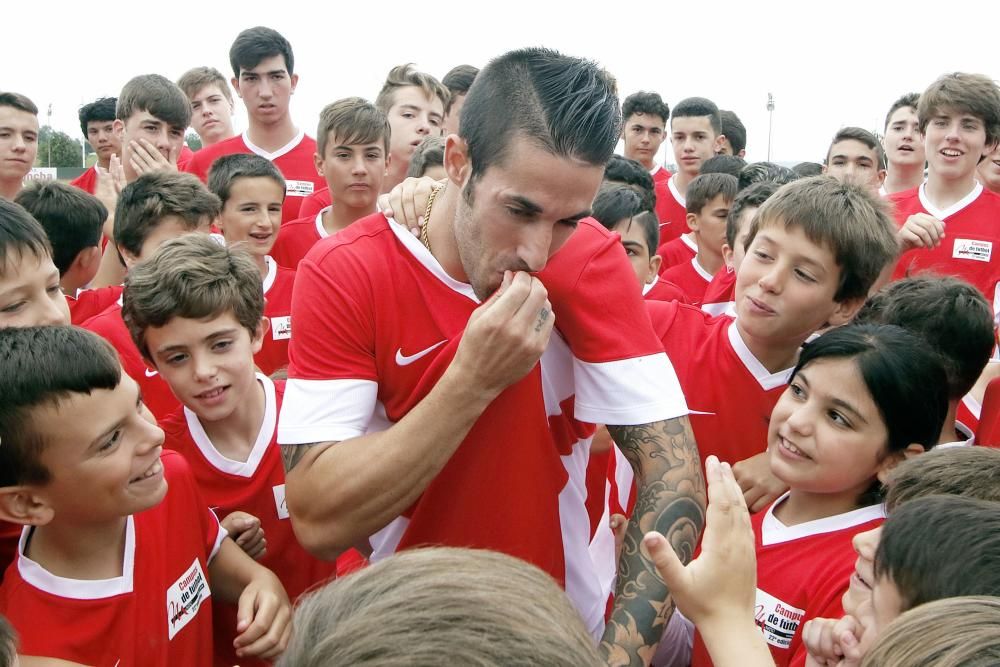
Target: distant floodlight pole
49, 122
770, 123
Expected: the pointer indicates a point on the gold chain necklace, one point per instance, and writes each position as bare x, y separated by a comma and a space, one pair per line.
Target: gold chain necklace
424, 236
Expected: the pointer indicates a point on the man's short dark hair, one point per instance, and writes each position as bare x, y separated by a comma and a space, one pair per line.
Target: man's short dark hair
615, 203
72, 218
20, 235
645, 103
623, 171
758, 172
458, 81
908, 100
862, 136
734, 130
751, 197
568, 106
226, 169
723, 164
706, 187
99, 111
256, 44
146, 201
19, 102
694, 107
807, 169
156, 95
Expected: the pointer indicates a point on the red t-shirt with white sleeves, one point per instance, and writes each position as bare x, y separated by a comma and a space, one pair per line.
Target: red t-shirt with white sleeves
156, 393
677, 251
673, 219
90, 302
720, 295
802, 572
294, 161
278, 309
297, 237
661, 290
87, 181
257, 487
691, 278
972, 235
377, 323
315, 202
158, 613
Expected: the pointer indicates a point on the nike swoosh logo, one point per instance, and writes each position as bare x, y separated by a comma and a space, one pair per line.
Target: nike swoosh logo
151, 374
403, 360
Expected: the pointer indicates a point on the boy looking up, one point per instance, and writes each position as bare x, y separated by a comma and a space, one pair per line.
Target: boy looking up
414, 103
97, 122
708, 200
645, 118
211, 104
696, 135
904, 146
949, 224
73, 221
196, 312
153, 209
119, 558
856, 154
251, 191
18, 141
352, 155
264, 78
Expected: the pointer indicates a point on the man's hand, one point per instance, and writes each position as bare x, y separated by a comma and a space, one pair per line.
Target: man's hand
920, 231
506, 336
407, 202
145, 158
246, 531
760, 486
263, 619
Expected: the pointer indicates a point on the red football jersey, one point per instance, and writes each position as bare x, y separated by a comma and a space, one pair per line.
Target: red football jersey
691, 278
802, 572
278, 309
720, 294
296, 237
294, 161
257, 487
378, 321
972, 233
661, 290
87, 181
315, 203
678, 251
90, 302
660, 178
158, 613
156, 393
673, 219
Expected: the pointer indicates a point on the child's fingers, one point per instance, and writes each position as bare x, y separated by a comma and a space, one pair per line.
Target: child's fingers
665, 560
267, 628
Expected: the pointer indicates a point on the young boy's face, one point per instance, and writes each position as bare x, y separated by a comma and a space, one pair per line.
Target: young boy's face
354, 172
862, 581
412, 116
168, 227
643, 133
644, 263
451, 121
211, 114
29, 291
252, 214
989, 171
266, 90
785, 287
709, 225
101, 135
955, 141
902, 142
851, 160
164, 137
887, 603
18, 143
734, 256
208, 363
103, 453
694, 141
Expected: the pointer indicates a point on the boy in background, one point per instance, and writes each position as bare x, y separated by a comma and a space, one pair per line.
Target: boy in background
904, 146
855, 153
211, 104
97, 122
18, 141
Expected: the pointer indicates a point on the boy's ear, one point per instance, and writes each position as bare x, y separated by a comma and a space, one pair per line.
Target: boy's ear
654, 265
457, 164
235, 81
720, 140
692, 221
882, 173
894, 459
127, 257
727, 257
295, 81
21, 505
844, 311
318, 161
258, 339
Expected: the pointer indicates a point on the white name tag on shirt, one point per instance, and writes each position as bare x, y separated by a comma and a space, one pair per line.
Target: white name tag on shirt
279, 501
184, 597
979, 251
299, 188
281, 327
777, 621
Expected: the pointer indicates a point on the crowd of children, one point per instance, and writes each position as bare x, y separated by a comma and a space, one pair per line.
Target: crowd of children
455, 256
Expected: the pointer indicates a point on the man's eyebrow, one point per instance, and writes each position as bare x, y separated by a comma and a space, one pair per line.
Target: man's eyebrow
525, 203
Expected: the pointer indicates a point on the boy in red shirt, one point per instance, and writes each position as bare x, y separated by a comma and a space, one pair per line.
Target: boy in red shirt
18, 141
211, 104
989, 171
708, 200
97, 122
855, 153
29, 280
264, 78
196, 311
904, 147
643, 131
252, 190
73, 221
152, 115
352, 156
113, 566
458, 80
734, 135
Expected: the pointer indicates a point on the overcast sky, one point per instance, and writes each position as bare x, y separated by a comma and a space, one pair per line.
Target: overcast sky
828, 64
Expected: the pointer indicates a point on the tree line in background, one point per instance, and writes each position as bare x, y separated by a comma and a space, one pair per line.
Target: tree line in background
68, 152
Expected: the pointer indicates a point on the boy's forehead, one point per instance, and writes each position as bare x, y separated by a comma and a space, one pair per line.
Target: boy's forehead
954, 112
17, 119
77, 418
852, 148
902, 113
275, 63
793, 237
208, 90
691, 124
645, 119
255, 187
415, 96
185, 331
143, 116
23, 266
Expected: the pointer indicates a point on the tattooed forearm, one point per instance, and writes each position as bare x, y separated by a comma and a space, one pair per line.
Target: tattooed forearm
671, 499
292, 454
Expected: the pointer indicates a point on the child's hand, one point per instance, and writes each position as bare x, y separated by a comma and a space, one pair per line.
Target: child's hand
406, 202
833, 643
246, 531
619, 526
920, 231
263, 619
760, 487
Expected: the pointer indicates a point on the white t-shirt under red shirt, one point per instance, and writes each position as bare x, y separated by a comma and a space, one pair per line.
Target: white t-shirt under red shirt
378, 321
